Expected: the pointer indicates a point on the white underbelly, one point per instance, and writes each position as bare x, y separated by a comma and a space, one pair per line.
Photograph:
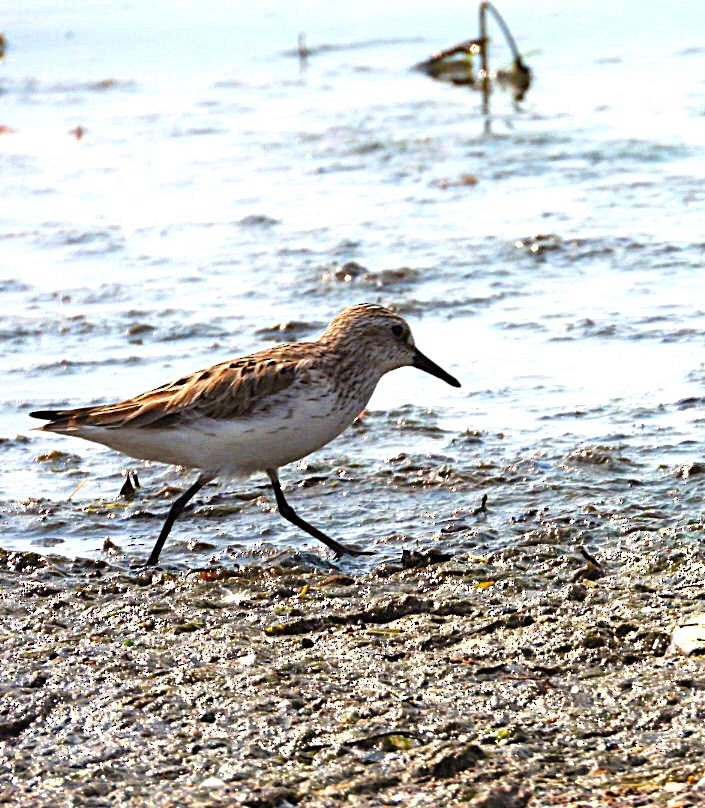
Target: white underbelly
231, 447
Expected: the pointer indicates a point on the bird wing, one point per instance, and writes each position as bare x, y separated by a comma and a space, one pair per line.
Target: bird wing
227, 390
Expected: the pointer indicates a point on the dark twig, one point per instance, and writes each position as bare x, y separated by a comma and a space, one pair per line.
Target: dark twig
130, 485
589, 557
482, 507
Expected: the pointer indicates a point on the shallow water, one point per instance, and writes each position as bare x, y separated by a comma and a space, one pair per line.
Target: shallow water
219, 190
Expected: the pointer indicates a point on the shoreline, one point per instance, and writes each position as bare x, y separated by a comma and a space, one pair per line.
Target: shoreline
528, 677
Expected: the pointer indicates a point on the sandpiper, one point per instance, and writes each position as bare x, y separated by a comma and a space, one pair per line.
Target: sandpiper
259, 412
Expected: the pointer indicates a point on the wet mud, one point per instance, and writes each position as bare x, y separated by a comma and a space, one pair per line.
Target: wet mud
538, 675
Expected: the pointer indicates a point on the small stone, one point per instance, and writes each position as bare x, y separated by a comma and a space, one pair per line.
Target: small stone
213, 782
577, 591
593, 640
110, 548
447, 760
689, 637
499, 797
38, 680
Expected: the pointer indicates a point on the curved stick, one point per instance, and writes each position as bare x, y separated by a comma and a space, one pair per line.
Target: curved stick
505, 30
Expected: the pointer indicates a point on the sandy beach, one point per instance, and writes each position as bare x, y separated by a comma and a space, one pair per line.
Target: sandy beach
529, 677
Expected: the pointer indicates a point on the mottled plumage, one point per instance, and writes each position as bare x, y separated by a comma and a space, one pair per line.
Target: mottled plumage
259, 412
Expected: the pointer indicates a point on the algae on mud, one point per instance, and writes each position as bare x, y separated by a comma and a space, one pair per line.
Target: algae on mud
288, 685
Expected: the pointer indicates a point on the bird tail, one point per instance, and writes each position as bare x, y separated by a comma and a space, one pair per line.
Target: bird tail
59, 419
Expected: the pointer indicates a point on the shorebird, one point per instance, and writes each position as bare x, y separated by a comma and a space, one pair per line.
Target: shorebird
258, 412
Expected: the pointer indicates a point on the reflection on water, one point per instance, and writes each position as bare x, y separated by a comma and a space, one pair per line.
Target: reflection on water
218, 200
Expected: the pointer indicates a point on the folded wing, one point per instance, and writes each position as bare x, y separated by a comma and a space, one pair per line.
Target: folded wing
228, 390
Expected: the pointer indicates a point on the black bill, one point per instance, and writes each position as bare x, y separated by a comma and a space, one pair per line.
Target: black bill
422, 362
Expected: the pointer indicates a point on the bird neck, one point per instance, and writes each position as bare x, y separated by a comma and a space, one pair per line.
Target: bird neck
355, 371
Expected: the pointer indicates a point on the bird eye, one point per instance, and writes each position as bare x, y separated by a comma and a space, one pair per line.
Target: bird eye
397, 330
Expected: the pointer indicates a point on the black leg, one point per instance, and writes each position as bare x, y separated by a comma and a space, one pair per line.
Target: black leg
173, 515
290, 514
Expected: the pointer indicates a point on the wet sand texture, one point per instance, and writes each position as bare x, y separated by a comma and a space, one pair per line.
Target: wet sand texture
528, 677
